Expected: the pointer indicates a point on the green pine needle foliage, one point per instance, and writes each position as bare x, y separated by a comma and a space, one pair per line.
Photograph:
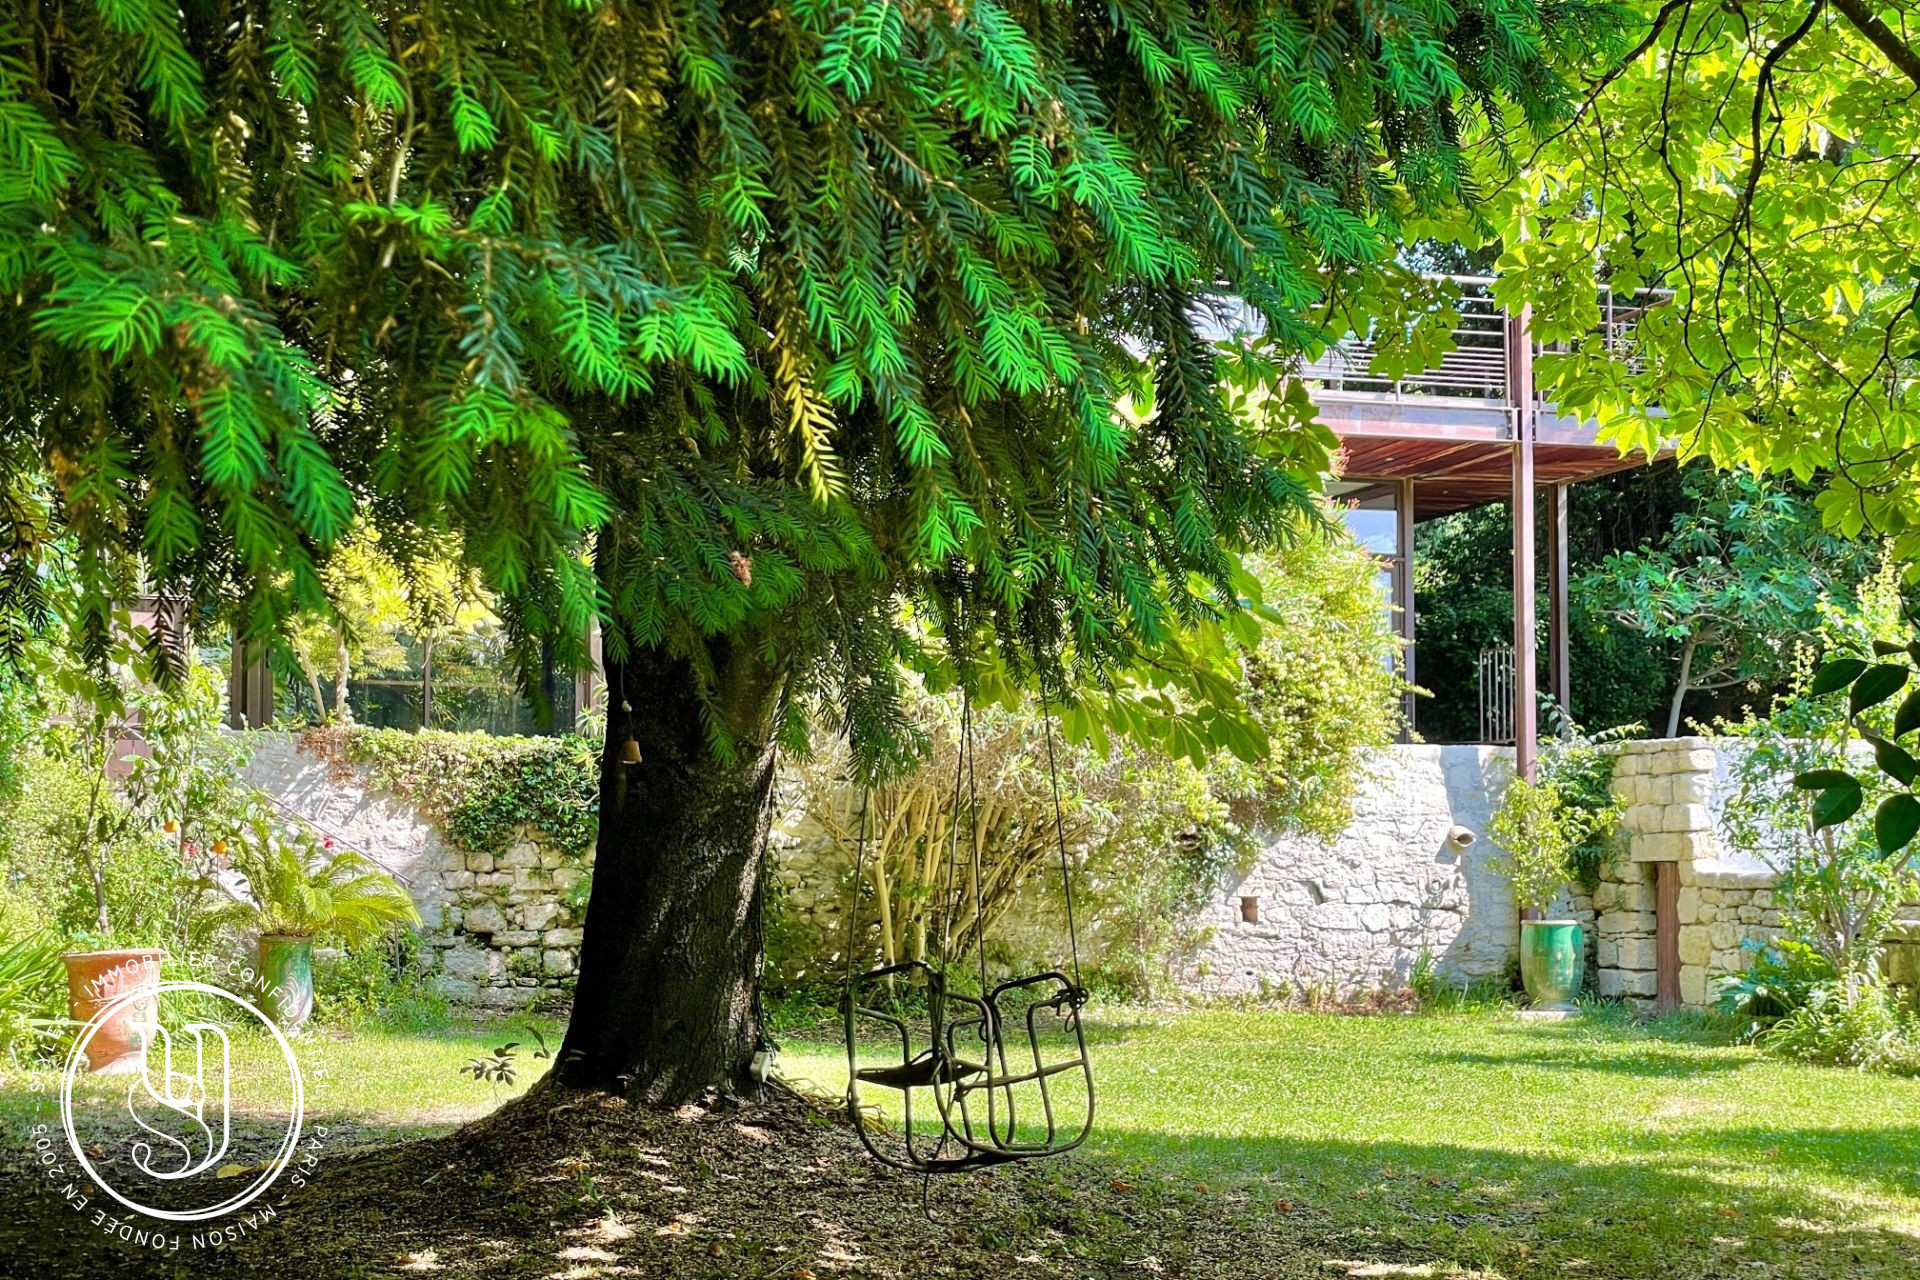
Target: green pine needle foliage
709, 318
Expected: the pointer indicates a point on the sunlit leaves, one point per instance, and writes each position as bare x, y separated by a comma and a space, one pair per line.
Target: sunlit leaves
720, 320
1789, 341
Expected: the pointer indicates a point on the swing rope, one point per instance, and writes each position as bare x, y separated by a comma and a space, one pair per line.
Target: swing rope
1060, 838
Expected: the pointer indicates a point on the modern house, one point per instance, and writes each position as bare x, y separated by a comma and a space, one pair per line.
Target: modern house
1470, 431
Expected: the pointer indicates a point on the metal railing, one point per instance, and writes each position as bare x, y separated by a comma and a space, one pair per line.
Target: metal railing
1476, 367
1479, 365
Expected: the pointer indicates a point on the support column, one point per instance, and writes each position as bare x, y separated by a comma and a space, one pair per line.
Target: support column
249, 688
1403, 591
1559, 669
1520, 396
1666, 935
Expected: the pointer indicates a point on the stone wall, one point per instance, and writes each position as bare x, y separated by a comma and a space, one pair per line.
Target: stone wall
1353, 914
1333, 917
497, 924
1676, 792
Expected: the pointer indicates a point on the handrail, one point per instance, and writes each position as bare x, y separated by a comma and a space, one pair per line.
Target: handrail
1479, 367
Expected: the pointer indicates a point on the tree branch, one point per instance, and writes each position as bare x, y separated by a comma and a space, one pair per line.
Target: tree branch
1882, 36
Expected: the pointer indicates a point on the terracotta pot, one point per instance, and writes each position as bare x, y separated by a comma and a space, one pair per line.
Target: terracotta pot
286, 965
96, 979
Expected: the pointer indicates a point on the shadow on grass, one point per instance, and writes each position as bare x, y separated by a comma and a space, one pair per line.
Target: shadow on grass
1707, 1205
1886, 1158
556, 1185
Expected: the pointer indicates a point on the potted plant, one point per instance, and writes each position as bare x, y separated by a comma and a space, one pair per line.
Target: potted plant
1539, 833
298, 889
98, 974
101, 724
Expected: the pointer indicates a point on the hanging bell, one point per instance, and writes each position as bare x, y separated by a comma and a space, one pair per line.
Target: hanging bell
630, 752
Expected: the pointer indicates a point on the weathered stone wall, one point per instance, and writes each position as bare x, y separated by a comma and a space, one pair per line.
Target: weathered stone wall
497, 924
1677, 792
1355, 913
1336, 917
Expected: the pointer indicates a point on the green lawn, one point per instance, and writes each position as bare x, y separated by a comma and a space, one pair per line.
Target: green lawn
1592, 1147
379, 1083
1475, 1142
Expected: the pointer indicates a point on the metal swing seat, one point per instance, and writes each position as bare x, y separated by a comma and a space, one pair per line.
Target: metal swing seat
983, 1061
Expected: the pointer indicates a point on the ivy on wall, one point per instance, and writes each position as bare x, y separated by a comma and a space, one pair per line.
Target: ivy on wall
479, 788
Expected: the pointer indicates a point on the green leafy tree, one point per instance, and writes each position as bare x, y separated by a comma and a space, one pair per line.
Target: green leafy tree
1755, 160
1842, 838
758, 332
1735, 588
1463, 569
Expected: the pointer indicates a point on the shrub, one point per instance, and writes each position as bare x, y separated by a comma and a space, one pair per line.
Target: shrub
1780, 977
32, 993
480, 788
1539, 832
1843, 874
1861, 1026
1150, 832
298, 884
383, 980
151, 897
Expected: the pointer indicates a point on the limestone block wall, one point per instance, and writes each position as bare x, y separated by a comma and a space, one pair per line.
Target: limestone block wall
1676, 791
1354, 914
499, 929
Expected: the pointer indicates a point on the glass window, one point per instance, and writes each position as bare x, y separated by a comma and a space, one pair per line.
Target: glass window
1372, 515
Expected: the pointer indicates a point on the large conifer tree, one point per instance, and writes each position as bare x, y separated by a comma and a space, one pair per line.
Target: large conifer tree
757, 331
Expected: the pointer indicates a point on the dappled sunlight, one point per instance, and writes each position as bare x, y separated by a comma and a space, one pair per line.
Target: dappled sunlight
1276, 1145
1479, 1132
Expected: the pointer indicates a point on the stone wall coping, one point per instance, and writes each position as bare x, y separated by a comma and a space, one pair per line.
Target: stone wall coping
1642, 746
1710, 876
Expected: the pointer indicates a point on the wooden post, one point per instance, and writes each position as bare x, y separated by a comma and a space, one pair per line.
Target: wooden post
1520, 393
1666, 935
1559, 669
426, 682
249, 688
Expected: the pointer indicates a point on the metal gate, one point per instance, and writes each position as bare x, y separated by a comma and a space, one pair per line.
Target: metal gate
1496, 694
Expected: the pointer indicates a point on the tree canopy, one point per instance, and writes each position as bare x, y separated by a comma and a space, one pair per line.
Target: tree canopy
1758, 160
1738, 586
704, 318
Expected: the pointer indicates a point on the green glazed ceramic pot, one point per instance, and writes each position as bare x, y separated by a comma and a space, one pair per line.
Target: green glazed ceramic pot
1552, 958
286, 968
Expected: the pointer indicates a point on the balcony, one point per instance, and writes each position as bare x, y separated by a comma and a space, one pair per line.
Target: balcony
1467, 431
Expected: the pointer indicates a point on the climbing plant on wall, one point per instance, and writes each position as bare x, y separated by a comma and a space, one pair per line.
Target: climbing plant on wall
479, 789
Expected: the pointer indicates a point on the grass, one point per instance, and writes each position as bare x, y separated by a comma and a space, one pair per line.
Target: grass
1591, 1147
380, 1084
1469, 1142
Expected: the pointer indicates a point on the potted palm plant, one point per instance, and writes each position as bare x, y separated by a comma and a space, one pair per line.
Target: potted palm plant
299, 889
1539, 834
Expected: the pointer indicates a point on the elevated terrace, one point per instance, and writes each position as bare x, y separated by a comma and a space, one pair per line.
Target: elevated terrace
1469, 431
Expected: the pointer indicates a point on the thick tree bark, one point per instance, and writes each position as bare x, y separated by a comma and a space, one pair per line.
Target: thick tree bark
666, 1005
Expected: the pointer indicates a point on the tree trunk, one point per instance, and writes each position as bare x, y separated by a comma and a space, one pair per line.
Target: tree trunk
667, 1001
1680, 686
342, 710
